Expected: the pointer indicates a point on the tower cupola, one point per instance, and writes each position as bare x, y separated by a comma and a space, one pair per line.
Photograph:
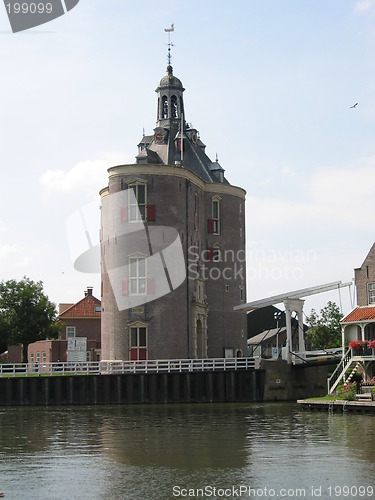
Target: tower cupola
170, 100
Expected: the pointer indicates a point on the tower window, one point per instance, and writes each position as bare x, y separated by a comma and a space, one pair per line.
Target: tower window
174, 107
137, 203
165, 106
137, 275
138, 342
215, 216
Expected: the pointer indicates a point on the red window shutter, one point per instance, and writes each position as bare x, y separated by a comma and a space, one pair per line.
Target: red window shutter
210, 226
125, 287
142, 351
151, 213
133, 354
150, 286
124, 214
210, 253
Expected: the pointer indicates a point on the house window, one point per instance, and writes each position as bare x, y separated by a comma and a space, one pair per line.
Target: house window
137, 275
138, 343
371, 293
44, 358
37, 357
70, 332
137, 203
215, 217
31, 357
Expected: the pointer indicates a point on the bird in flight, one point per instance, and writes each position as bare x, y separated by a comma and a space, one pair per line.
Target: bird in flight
354, 105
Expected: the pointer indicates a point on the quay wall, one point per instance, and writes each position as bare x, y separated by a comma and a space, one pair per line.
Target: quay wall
194, 387
285, 382
276, 381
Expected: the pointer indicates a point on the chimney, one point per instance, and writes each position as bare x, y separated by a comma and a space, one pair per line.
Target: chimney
89, 291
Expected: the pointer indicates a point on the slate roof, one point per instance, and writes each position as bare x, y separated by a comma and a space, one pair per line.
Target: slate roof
85, 308
360, 314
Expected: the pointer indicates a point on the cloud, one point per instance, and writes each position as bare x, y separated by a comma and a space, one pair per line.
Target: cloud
287, 172
337, 195
364, 5
85, 176
14, 256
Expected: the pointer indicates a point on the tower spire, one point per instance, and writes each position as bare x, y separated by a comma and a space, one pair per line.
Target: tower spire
170, 44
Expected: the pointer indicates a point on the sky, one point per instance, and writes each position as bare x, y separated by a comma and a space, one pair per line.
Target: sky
269, 85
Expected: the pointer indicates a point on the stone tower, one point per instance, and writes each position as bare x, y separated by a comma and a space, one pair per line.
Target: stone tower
173, 247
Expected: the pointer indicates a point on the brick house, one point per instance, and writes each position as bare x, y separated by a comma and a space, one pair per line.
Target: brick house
79, 339
359, 324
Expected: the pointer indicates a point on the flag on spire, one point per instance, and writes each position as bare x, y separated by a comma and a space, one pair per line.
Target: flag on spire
168, 30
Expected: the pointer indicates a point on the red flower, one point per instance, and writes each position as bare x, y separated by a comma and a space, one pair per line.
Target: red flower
355, 344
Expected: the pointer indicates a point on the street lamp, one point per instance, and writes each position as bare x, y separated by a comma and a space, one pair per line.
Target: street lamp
277, 317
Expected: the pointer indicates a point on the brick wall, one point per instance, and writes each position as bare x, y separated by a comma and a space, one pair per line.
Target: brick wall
363, 276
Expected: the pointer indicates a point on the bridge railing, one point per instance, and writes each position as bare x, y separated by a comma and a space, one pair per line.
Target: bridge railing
120, 367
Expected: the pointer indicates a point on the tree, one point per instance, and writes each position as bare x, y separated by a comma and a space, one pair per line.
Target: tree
325, 330
26, 314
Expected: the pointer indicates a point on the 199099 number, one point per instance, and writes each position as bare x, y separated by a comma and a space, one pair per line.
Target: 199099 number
351, 491
29, 8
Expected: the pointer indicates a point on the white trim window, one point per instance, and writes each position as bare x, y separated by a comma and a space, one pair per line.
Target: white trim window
137, 276
216, 215
371, 293
138, 342
70, 332
138, 203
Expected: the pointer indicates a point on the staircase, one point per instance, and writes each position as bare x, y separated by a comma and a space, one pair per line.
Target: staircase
340, 371
354, 371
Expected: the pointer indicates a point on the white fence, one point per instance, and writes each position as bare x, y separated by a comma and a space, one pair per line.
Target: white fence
120, 367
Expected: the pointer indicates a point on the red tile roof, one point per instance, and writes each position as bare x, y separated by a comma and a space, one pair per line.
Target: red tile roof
85, 308
360, 314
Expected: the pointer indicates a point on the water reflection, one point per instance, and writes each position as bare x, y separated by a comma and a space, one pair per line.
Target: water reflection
142, 451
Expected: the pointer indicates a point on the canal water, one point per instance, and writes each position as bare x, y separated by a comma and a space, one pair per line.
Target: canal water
185, 451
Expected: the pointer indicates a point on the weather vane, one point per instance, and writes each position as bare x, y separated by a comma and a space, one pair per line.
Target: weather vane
170, 44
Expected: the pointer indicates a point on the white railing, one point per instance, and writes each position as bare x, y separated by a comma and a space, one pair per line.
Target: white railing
32, 369
350, 358
120, 367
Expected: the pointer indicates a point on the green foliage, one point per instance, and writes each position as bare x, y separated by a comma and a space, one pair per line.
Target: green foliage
325, 330
346, 392
26, 314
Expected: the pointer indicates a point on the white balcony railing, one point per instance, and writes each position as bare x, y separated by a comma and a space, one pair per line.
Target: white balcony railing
122, 367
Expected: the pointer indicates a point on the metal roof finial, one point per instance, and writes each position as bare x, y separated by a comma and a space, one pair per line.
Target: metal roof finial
170, 44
